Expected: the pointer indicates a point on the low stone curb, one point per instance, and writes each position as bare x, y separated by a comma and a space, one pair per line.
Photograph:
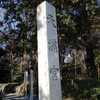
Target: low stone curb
18, 89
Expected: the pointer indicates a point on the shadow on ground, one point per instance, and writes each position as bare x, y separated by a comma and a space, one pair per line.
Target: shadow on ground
14, 96
10, 88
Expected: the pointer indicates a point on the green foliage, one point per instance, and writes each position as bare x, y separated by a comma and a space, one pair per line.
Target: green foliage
84, 88
97, 60
17, 75
77, 21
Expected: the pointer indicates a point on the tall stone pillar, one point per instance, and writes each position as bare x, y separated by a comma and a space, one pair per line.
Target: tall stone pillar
48, 58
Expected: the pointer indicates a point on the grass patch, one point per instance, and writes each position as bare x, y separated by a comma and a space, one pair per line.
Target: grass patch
9, 83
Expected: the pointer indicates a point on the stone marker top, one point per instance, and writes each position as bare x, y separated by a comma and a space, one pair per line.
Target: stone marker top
31, 70
46, 17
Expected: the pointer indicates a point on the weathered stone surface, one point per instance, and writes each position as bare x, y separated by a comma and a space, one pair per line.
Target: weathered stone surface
12, 89
20, 90
48, 58
2, 87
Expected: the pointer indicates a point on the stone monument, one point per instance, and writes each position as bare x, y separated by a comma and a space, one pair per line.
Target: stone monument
48, 58
25, 81
31, 84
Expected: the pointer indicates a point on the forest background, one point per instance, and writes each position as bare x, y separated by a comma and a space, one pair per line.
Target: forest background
78, 27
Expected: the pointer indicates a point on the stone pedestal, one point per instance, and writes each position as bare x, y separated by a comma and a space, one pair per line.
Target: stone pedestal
48, 58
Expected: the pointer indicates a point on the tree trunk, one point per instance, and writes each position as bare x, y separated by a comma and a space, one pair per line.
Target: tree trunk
12, 67
21, 64
91, 68
75, 63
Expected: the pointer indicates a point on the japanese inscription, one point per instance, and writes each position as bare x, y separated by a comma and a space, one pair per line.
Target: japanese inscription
50, 19
54, 73
53, 45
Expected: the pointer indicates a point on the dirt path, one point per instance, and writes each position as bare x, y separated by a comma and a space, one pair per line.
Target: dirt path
14, 96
